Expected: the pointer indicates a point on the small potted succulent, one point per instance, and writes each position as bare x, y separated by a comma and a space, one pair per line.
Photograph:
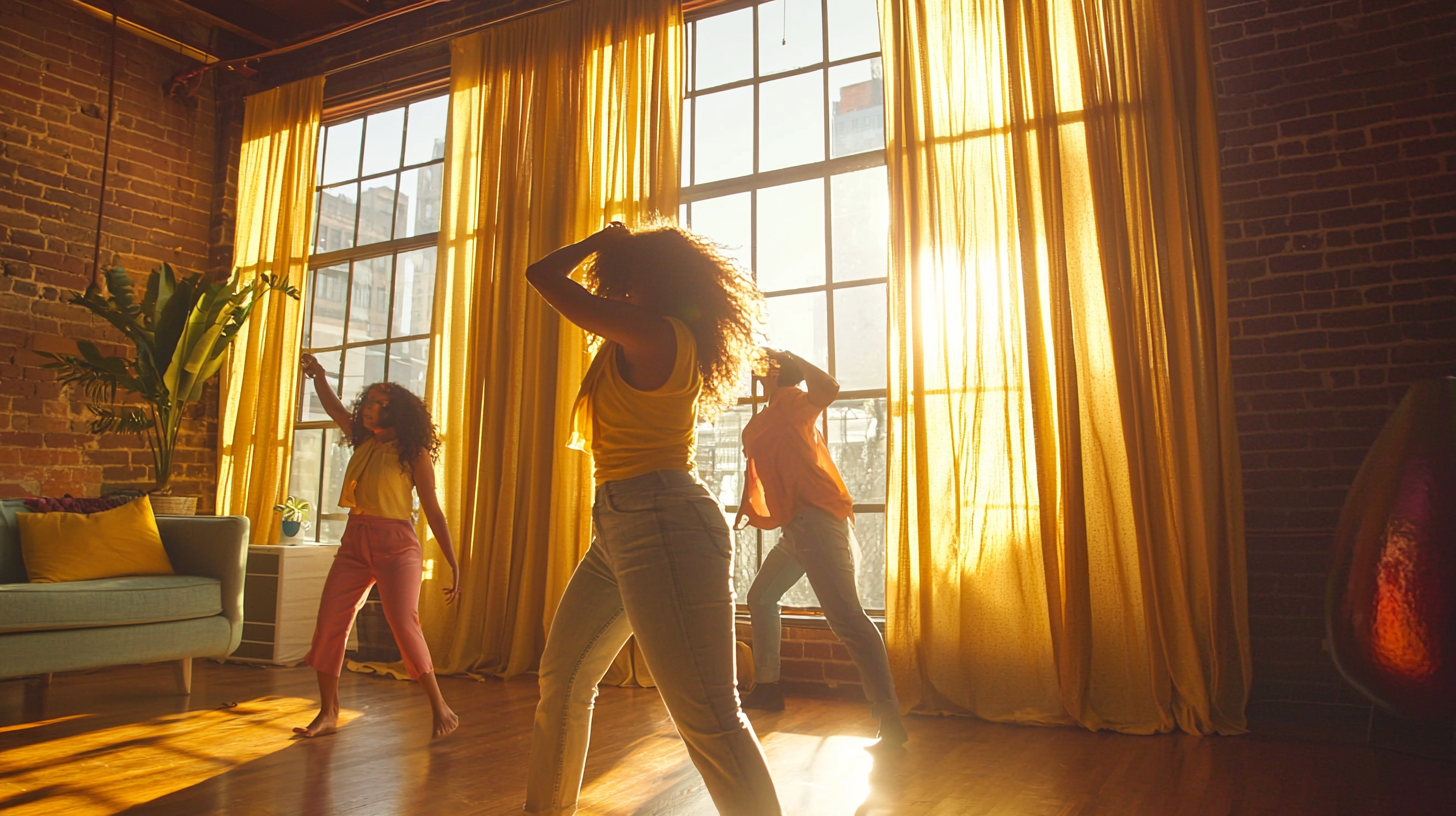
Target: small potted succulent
295, 512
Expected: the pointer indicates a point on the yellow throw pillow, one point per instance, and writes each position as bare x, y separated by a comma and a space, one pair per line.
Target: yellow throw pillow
62, 547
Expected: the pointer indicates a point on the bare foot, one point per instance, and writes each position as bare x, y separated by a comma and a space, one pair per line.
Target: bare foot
445, 722
325, 723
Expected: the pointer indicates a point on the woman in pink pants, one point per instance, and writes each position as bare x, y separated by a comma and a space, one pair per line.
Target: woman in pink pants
394, 445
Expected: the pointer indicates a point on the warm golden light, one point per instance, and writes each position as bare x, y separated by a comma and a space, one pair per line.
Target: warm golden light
40, 724
107, 771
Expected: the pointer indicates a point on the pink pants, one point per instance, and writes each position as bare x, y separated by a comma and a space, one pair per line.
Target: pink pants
372, 549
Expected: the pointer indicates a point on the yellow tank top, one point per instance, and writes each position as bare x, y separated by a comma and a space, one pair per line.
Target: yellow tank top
631, 432
375, 484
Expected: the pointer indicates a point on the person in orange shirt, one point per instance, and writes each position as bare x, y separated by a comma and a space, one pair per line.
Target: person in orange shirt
792, 483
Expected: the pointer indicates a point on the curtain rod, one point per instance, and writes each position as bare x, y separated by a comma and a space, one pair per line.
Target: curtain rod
184, 82
445, 37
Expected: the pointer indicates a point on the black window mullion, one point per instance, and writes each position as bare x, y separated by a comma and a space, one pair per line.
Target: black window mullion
318, 525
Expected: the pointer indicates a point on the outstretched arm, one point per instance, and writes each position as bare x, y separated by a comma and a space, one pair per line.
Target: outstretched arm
641, 334
314, 370
424, 474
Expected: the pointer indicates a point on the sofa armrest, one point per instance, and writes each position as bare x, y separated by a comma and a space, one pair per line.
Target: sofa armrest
211, 546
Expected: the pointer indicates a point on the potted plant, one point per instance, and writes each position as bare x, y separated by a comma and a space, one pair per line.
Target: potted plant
295, 512
181, 330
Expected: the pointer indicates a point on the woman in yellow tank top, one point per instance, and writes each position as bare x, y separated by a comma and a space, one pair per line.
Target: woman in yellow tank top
677, 320
394, 445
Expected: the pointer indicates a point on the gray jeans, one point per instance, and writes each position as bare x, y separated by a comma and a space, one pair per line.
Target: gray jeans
660, 566
819, 544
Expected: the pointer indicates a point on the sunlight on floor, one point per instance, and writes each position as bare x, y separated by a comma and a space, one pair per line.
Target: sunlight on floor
40, 724
815, 775
819, 775
107, 771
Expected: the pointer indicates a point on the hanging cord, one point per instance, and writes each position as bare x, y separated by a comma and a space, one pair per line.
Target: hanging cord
96, 278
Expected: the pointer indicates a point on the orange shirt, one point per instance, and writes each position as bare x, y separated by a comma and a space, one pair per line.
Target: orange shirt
789, 464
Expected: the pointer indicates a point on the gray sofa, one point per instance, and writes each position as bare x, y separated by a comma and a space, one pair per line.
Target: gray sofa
198, 612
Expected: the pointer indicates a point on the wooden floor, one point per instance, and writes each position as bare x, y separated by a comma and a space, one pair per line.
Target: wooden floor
120, 741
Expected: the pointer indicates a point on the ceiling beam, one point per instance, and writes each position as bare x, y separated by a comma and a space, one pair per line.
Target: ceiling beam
198, 15
145, 33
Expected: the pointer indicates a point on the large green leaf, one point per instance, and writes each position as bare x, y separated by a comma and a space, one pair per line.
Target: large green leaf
122, 294
171, 320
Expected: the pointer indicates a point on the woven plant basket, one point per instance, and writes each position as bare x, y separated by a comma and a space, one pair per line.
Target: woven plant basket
174, 505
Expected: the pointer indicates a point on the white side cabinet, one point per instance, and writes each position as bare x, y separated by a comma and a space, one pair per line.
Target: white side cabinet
281, 600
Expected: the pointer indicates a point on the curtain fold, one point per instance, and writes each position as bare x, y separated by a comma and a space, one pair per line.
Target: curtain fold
559, 123
1064, 497
259, 386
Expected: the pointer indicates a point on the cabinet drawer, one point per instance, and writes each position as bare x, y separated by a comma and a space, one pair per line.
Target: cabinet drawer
260, 632
254, 651
261, 563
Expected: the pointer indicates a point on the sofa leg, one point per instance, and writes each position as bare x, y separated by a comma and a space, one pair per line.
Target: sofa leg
182, 669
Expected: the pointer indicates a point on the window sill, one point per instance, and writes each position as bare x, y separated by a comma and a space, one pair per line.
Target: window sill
808, 620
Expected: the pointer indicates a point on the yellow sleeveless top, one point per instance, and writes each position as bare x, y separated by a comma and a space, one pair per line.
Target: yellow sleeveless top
631, 432
375, 484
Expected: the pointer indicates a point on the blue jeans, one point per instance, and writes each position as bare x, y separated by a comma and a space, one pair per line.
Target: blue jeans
660, 566
819, 544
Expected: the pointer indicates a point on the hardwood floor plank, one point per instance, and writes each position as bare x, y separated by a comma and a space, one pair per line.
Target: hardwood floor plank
191, 755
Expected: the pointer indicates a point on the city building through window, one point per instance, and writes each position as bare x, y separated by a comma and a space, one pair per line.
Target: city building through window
783, 145
369, 297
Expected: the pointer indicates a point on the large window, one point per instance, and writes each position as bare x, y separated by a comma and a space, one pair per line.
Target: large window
370, 291
784, 162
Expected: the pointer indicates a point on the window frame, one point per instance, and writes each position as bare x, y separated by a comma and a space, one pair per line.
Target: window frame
351, 256
824, 170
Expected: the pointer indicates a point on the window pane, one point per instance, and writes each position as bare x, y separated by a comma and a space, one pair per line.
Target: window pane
869, 533
341, 153
408, 364
363, 366
326, 327
419, 201
745, 558
799, 323
686, 162
383, 135
854, 28
720, 454
857, 108
313, 410
414, 292
791, 235
800, 594
724, 48
791, 121
376, 211
336, 459
337, 208
425, 139
303, 475
860, 208
724, 135
859, 337
369, 301
729, 221
790, 35
856, 439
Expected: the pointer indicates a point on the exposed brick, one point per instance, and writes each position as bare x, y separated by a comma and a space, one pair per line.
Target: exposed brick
50, 172
1329, 327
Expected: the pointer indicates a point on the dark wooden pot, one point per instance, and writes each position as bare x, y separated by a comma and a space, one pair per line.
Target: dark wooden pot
1391, 603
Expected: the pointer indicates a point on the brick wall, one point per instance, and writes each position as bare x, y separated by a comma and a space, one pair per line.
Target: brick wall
53, 107
813, 659
1338, 135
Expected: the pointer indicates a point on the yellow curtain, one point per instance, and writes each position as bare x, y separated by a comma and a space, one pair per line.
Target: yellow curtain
260, 378
559, 123
1064, 493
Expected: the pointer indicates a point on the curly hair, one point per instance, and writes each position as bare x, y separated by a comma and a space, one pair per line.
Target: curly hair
702, 286
414, 429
